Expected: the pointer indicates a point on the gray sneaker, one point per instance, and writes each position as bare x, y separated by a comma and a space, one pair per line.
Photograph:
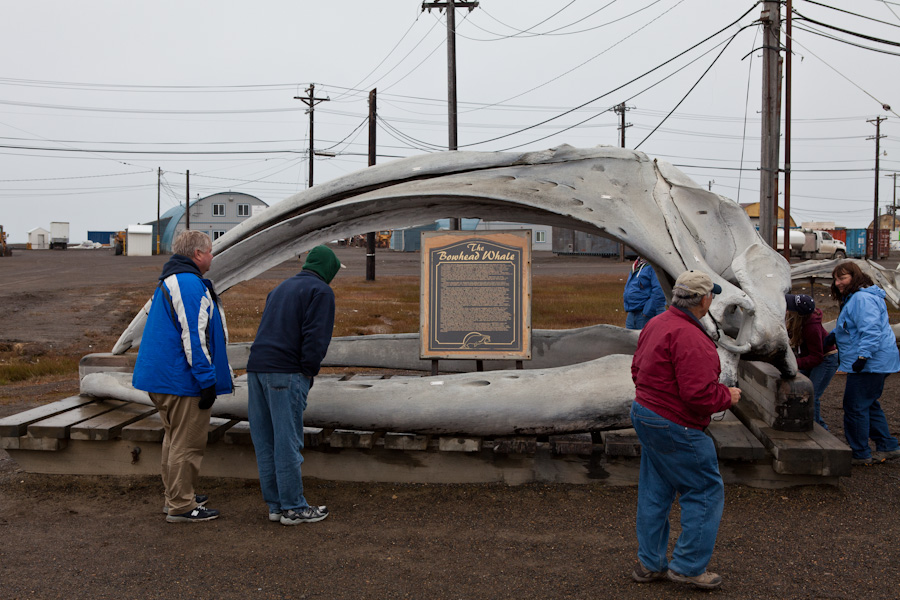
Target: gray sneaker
275, 515
888, 455
310, 514
872, 460
642, 574
705, 580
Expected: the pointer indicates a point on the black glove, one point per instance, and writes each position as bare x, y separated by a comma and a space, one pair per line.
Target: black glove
207, 397
860, 364
829, 340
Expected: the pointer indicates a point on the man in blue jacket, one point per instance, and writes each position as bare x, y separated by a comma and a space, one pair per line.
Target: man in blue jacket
182, 363
292, 339
643, 297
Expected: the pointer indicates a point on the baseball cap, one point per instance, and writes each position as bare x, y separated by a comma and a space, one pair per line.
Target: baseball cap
800, 303
697, 282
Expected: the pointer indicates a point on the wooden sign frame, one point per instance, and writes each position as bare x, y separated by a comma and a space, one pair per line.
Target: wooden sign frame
476, 295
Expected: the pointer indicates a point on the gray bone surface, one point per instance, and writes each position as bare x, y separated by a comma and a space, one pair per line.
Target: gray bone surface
549, 348
649, 205
588, 396
621, 194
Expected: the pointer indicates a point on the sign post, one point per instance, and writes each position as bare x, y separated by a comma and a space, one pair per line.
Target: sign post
476, 295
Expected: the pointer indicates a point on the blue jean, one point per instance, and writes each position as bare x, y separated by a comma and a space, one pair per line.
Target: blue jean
820, 376
678, 459
638, 320
863, 417
275, 409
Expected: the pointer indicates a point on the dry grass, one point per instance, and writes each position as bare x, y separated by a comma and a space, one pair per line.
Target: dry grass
16, 367
391, 304
387, 305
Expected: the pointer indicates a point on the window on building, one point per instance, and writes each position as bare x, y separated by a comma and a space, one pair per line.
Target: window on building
540, 236
243, 210
218, 210
217, 234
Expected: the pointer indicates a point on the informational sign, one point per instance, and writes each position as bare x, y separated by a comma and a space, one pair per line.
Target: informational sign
476, 295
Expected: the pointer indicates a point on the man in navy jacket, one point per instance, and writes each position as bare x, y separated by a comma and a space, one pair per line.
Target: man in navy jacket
291, 341
182, 363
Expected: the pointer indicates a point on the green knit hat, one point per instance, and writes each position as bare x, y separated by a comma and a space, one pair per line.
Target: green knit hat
322, 261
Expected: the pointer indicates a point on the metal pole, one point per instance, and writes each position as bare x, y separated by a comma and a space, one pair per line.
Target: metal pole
312, 112
451, 86
787, 137
370, 237
158, 178
187, 199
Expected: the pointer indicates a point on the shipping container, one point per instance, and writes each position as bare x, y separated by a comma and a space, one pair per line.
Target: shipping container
884, 243
856, 243
569, 241
101, 237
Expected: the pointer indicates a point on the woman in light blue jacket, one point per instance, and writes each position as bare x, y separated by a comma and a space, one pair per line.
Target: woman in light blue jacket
868, 354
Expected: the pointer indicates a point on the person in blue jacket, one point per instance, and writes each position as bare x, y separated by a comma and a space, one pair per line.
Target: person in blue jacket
292, 339
183, 364
643, 297
867, 348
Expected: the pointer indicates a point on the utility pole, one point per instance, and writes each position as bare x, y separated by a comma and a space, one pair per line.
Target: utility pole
875, 223
370, 237
771, 121
158, 183
620, 110
310, 100
451, 6
894, 205
187, 199
787, 132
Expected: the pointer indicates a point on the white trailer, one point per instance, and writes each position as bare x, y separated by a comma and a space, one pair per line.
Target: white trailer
59, 235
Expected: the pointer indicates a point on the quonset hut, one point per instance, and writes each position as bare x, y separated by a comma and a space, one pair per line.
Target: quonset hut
214, 215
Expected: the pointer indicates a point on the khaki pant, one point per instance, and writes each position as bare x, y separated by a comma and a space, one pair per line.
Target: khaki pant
186, 429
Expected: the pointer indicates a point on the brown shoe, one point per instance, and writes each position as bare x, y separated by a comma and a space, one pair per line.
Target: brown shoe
642, 574
705, 580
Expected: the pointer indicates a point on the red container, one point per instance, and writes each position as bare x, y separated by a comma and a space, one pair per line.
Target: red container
838, 234
884, 243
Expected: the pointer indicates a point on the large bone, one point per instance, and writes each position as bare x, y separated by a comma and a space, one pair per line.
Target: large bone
478, 404
650, 206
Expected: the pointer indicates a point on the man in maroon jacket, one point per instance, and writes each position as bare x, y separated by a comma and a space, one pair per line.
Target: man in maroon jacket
676, 377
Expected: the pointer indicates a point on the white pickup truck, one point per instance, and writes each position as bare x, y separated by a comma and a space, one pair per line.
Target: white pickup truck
811, 244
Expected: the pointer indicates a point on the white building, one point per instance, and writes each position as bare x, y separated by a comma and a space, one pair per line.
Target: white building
38, 238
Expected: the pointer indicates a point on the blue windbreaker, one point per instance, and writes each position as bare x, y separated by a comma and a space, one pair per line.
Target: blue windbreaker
862, 329
643, 292
184, 346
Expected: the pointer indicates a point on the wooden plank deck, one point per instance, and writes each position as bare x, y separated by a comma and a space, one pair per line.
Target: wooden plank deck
82, 435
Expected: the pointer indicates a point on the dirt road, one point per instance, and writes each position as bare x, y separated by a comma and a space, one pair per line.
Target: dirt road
102, 537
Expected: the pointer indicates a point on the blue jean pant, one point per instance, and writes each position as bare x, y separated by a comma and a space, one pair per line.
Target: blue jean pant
676, 459
638, 320
275, 410
863, 417
820, 376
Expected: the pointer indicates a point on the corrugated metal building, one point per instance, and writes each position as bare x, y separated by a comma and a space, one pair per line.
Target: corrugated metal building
214, 215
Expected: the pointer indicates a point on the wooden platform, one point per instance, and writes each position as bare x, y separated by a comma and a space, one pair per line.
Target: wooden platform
82, 435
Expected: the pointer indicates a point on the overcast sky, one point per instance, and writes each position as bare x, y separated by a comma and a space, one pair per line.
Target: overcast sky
95, 96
